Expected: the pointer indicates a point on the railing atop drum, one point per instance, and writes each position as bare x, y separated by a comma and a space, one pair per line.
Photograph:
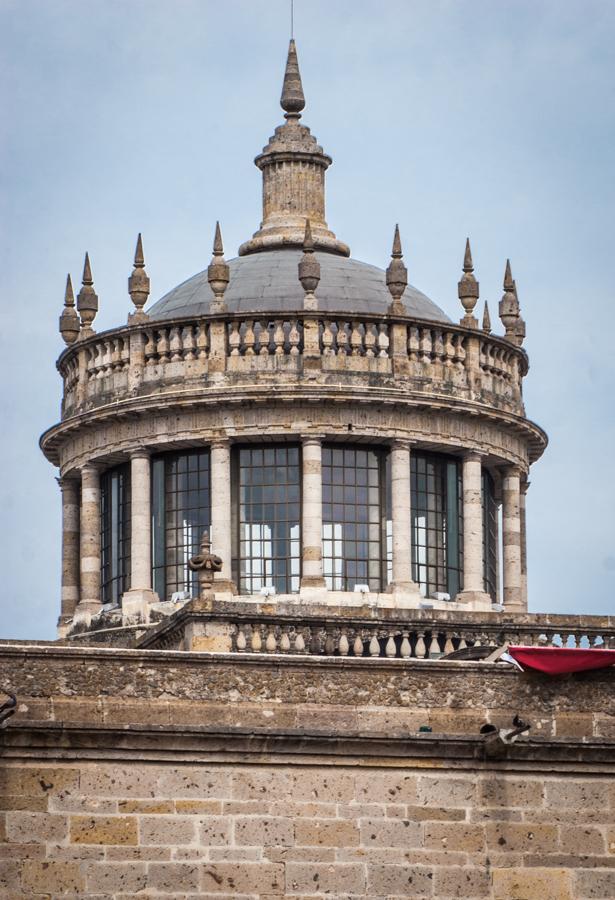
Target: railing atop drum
402, 641
429, 356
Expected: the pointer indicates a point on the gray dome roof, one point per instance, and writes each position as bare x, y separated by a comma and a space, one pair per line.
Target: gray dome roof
267, 282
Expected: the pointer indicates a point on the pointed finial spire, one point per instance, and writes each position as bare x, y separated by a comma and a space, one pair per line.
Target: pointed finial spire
292, 100
69, 320
87, 300
309, 269
396, 275
138, 284
468, 289
218, 274
486, 320
509, 309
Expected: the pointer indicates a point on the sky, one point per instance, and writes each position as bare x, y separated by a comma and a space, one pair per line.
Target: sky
488, 118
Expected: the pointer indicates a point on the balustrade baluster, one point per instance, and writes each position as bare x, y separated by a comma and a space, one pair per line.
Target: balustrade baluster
460, 353
434, 647
175, 344
374, 645
188, 342
240, 641
248, 338
343, 645
284, 640
357, 647
420, 649
256, 642
271, 643
299, 642
413, 343
294, 338
390, 648
356, 339
341, 339
405, 649
371, 339
234, 339
150, 348
202, 340
279, 338
383, 340
327, 339
425, 345
449, 647
162, 345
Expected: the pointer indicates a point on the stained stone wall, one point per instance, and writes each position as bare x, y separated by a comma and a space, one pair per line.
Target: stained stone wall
153, 773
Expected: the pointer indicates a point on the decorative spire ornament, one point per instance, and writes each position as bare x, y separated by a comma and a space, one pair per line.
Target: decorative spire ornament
309, 269
69, 320
468, 289
486, 320
138, 285
292, 100
87, 300
396, 276
509, 309
218, 274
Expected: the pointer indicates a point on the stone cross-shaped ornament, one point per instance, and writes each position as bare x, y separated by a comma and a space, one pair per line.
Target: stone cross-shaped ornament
206, 564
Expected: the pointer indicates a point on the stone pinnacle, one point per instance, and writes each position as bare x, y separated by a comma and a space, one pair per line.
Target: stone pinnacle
69, 320
218, 273
396, 275
292, 100
87, 300
138, 283
309, 267
467, 289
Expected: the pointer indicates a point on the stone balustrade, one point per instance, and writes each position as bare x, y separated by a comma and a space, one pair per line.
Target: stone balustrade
151, 357
252, 627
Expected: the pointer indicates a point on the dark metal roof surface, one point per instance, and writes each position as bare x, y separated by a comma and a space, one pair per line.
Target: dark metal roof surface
267, 282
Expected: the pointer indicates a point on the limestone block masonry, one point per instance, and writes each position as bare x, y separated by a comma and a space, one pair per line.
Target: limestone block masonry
211, 777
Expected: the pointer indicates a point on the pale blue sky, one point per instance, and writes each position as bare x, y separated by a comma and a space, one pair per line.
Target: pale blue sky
453, 117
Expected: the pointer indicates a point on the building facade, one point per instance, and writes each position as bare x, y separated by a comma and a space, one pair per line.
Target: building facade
293, 547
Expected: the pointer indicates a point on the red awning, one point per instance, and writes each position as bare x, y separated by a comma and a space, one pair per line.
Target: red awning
562, 660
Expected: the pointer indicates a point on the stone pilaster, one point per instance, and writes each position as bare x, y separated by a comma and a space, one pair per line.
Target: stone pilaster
511, 539
135, 602
523, 530
89, 543
311, 525
400, 503
473, 572
221, 513
70, 552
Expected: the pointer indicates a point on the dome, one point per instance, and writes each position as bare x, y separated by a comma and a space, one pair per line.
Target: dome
268, 282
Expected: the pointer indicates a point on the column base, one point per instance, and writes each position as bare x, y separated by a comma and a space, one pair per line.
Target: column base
313, 589
64, 626
475, 599
136, 605
85, 612
406, 594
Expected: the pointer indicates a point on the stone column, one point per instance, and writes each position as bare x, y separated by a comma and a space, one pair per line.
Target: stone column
70, 551
220, 536
523, 529
135, 602
511, 539
473, 572
400, 503
311, 523
89, 603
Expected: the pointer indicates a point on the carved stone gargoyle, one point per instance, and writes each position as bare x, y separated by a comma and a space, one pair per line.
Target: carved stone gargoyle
206, 564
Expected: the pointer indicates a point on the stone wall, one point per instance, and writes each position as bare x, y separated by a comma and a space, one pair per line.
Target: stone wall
152, 773
379, 830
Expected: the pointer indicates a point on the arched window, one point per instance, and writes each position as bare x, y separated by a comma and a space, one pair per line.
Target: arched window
181, 511
114, 533
354, 517
267, 508
437, 524
490, 535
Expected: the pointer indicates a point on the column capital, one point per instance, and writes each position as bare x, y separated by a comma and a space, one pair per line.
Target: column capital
524, 484
67, 482
474, 455
511, 471
140, 453
312, 438
220, 443
90, 468
401, 444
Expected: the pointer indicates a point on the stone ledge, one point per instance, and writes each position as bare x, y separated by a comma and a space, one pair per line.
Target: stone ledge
99, 742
